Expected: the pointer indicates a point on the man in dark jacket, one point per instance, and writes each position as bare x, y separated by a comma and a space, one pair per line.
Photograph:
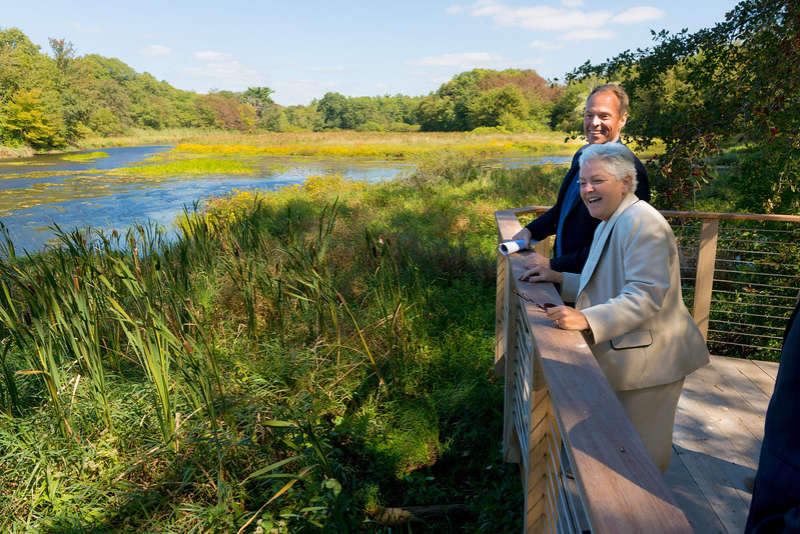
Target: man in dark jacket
606, 114
775, 507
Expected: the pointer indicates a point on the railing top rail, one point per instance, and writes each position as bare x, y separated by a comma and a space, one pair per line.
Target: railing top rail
685, 214
623, 489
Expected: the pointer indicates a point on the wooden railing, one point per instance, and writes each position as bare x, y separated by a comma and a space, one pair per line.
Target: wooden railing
583, 466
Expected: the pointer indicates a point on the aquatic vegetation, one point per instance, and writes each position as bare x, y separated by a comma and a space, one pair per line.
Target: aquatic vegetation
306, 356
196, 166
383, 151
84, 157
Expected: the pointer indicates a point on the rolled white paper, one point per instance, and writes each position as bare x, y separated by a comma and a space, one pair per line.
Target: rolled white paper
509, 247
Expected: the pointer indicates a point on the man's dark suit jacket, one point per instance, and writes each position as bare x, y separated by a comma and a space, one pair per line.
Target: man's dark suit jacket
776, 494
579, 226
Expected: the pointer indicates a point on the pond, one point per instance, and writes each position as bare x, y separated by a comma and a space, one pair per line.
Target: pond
37, 192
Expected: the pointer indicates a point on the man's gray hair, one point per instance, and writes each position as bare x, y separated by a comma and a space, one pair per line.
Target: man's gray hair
619, 159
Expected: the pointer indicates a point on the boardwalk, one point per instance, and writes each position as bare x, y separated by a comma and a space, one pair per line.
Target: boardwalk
718, 432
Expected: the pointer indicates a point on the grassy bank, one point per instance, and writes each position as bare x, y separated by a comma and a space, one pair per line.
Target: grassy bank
385, 145
7, 152
295, 362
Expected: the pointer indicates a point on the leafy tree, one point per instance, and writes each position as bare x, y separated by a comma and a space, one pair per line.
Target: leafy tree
436, 114
274, 119
104, 122
334, 109
64, 53
258, 98
480, 97
567, 112
502, 102
26, 120
735, 84
304, 117
22, 66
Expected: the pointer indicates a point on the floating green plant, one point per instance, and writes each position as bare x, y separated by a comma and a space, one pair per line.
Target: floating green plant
85, 157
188, 166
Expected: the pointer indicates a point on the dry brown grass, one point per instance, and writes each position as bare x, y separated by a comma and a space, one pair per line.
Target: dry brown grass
7, 152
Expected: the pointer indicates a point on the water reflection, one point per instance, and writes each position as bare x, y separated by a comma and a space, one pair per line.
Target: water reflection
117, 157
37, 192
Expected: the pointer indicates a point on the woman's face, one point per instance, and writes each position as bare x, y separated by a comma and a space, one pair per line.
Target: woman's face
600, 190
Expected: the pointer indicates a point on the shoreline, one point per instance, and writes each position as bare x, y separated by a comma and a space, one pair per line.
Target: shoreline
302, 140
7, 152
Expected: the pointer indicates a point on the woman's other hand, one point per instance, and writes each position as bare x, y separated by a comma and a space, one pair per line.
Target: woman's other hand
535, 259
567, 318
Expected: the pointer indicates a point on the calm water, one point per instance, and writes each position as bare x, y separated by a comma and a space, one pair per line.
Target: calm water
37, 192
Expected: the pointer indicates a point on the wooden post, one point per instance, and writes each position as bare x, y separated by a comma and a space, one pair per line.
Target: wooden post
544, 246
704, 280
511, 448
502, 299
535, 480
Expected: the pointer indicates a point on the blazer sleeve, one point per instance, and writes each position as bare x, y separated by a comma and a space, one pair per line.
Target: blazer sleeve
546, 224
569, 286
644, 249
572, 262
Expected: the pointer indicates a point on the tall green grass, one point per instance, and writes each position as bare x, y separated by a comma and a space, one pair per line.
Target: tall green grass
292, 362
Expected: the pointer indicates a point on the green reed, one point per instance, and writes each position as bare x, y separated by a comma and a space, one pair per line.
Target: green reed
360, 317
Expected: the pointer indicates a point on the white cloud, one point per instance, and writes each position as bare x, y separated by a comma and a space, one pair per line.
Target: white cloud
587, 35
90, 28
638, 14
333, 68
156, 50
210, 55
539, 17
452, 10
550, 18
294, 92
230, 74
546, 45
457, 60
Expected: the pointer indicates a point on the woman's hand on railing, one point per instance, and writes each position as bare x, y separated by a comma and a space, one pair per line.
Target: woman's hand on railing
541, 273
567, 318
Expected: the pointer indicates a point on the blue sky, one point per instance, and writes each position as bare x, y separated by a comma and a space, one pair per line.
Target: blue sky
304, 49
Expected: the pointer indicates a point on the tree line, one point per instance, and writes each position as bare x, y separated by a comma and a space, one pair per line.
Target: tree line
52, 99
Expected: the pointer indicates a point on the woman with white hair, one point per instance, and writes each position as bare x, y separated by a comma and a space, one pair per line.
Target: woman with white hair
628, 299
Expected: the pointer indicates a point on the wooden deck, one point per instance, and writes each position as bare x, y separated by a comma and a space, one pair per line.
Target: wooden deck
718, 430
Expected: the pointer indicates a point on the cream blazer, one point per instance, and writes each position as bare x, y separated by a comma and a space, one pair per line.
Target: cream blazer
630, 292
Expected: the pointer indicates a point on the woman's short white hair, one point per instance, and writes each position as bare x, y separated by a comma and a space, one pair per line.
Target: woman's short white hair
618, 158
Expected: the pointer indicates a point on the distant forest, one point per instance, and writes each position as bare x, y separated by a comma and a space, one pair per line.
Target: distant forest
51, 98
721, 103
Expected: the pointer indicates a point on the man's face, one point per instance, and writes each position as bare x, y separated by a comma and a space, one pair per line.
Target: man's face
602, 122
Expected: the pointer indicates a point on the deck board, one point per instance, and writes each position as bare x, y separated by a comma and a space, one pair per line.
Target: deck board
692, 501
719, 426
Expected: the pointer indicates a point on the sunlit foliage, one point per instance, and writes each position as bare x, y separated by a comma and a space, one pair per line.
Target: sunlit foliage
733, 87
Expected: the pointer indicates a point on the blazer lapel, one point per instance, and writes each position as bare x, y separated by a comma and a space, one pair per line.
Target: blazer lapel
601, 235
